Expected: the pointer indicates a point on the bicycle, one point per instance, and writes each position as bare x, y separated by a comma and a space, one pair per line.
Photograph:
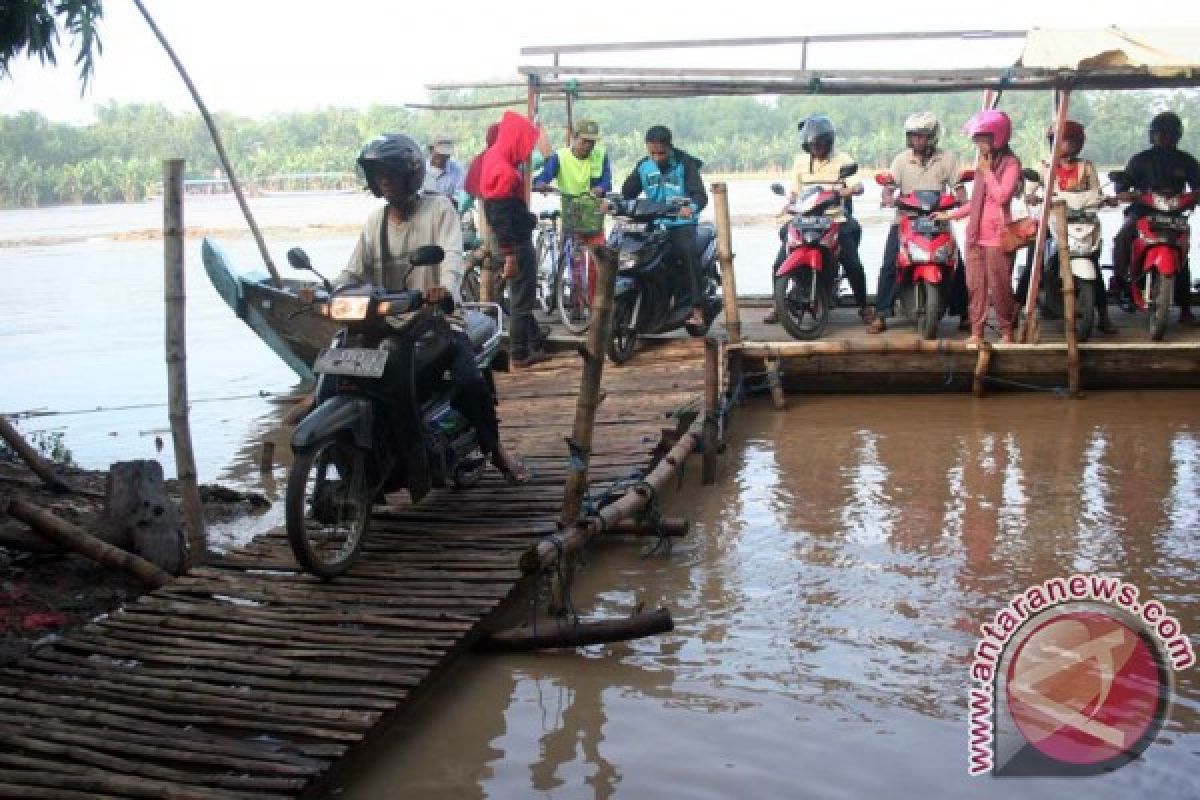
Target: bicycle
569, 290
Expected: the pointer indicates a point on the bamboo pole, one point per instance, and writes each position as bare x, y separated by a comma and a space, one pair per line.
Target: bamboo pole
559, 633
981, 369
176, 346
674, 527
220, 147
30, 456
775, 383
1029, 329
589, 389
549, 550
733, 319
846, 347
1068, 292
712, 391
58, 530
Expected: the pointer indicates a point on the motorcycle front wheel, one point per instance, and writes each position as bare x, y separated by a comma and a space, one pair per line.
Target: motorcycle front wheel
1085, 309
328, 506
929, 308
1161, 294
623, 340
802, 304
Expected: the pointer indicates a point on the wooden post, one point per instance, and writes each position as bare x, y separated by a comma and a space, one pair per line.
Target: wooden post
981, 368
176, 336
1068, 291
712, 400
1029, 329
570, 118
220, 148
775, 382
36, 463
589, 388
733, 320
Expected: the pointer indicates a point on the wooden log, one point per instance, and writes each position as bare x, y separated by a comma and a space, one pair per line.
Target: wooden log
300, 410
266, 460
1068, 295
775, 383
141, 517
981, 369
64, 533
561, 633
30, 456
176, 346
733, 319
668, 526
843, 347
711, 409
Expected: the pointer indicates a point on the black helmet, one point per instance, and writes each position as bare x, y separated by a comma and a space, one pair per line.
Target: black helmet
399, 154
1167, 123
816, 127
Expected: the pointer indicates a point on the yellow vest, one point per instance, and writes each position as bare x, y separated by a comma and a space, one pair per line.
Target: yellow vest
575, 176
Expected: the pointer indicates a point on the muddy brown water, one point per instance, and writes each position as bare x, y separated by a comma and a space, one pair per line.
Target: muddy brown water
826, 604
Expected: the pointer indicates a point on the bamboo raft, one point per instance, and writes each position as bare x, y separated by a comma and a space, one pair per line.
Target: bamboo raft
248, 678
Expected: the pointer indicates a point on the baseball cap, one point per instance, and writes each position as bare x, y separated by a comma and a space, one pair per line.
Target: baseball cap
587, 129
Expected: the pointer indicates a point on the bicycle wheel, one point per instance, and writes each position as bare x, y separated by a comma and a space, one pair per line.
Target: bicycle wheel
547, 270
576, 288
328, 507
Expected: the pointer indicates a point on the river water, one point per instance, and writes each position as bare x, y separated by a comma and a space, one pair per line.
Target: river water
826, 602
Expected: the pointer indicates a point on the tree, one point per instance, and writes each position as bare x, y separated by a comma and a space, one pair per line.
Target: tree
32, 26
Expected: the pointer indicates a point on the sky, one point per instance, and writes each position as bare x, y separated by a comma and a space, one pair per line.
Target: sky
257, 57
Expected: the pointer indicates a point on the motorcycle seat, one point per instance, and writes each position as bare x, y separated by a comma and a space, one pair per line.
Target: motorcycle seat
705, 233
479, 328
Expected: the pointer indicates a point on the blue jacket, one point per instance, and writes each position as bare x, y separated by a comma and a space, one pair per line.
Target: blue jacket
680, 178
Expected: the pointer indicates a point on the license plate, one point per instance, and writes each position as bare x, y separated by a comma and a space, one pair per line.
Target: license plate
358, 362
925, 225
1169, 223
814, 222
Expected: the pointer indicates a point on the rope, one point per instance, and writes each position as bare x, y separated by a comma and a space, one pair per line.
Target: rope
32, 413
1061, 391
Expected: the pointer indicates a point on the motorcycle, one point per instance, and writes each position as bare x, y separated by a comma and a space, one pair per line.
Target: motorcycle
383, 418
652, 295
805, 281
1083, 249
1160, 250
927, 255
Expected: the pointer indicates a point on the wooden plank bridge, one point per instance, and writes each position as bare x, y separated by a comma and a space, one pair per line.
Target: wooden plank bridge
248, 678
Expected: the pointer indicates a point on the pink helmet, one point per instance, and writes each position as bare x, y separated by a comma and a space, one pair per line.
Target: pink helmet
994, 122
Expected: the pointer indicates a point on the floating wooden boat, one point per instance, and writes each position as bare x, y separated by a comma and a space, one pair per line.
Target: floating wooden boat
276, 314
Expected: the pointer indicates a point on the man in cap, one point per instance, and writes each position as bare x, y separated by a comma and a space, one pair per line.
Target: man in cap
444, 175
581, 168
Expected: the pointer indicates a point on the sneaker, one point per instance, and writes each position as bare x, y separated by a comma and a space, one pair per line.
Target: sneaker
534, 357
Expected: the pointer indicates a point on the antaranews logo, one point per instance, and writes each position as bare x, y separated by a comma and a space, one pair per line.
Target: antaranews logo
1072, 677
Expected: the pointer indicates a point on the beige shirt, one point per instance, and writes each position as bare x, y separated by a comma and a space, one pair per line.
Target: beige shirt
936, 173
435, 221
807, 171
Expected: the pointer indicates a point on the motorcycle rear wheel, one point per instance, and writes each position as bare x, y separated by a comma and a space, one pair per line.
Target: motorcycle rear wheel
623, 340
802, 304
1162, 292
328, 507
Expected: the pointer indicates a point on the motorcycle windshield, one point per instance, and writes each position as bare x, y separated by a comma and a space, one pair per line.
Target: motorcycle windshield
922, 201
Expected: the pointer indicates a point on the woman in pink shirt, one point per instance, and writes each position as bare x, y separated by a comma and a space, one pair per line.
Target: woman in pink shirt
989, 268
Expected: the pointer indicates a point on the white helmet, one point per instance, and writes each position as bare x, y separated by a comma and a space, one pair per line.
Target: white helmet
923, 122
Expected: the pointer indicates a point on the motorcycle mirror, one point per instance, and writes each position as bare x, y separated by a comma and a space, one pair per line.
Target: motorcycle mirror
1119, 176
299, 259
777, 188
1030, 174
885, 179
427, 255
847, 170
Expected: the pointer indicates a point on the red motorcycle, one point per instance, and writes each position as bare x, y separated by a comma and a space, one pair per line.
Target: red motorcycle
1159, 251
805, 281
927, 255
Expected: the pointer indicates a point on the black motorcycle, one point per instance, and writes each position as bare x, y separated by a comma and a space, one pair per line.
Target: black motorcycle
382, 419
652, 293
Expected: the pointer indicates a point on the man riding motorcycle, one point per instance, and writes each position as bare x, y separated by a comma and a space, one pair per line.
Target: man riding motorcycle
819, 165
1161, 168
1075, 175
394, 168
664, 174
923, 166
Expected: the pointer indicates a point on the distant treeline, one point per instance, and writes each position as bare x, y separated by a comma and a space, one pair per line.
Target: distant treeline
118, 157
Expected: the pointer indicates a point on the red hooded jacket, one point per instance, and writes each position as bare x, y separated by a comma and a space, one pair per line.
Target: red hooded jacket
475, 171
499, 178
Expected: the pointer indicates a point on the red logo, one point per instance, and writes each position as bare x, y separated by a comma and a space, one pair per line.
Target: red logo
1085, 689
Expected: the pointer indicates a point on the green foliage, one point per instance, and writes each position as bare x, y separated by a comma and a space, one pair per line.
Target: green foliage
50, 445
32, 26
117, 158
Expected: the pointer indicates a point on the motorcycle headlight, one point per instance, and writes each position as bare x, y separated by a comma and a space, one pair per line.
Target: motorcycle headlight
942, 254
349, 309
918, 254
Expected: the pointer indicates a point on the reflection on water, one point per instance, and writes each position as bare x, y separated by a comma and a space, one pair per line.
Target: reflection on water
826, 605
